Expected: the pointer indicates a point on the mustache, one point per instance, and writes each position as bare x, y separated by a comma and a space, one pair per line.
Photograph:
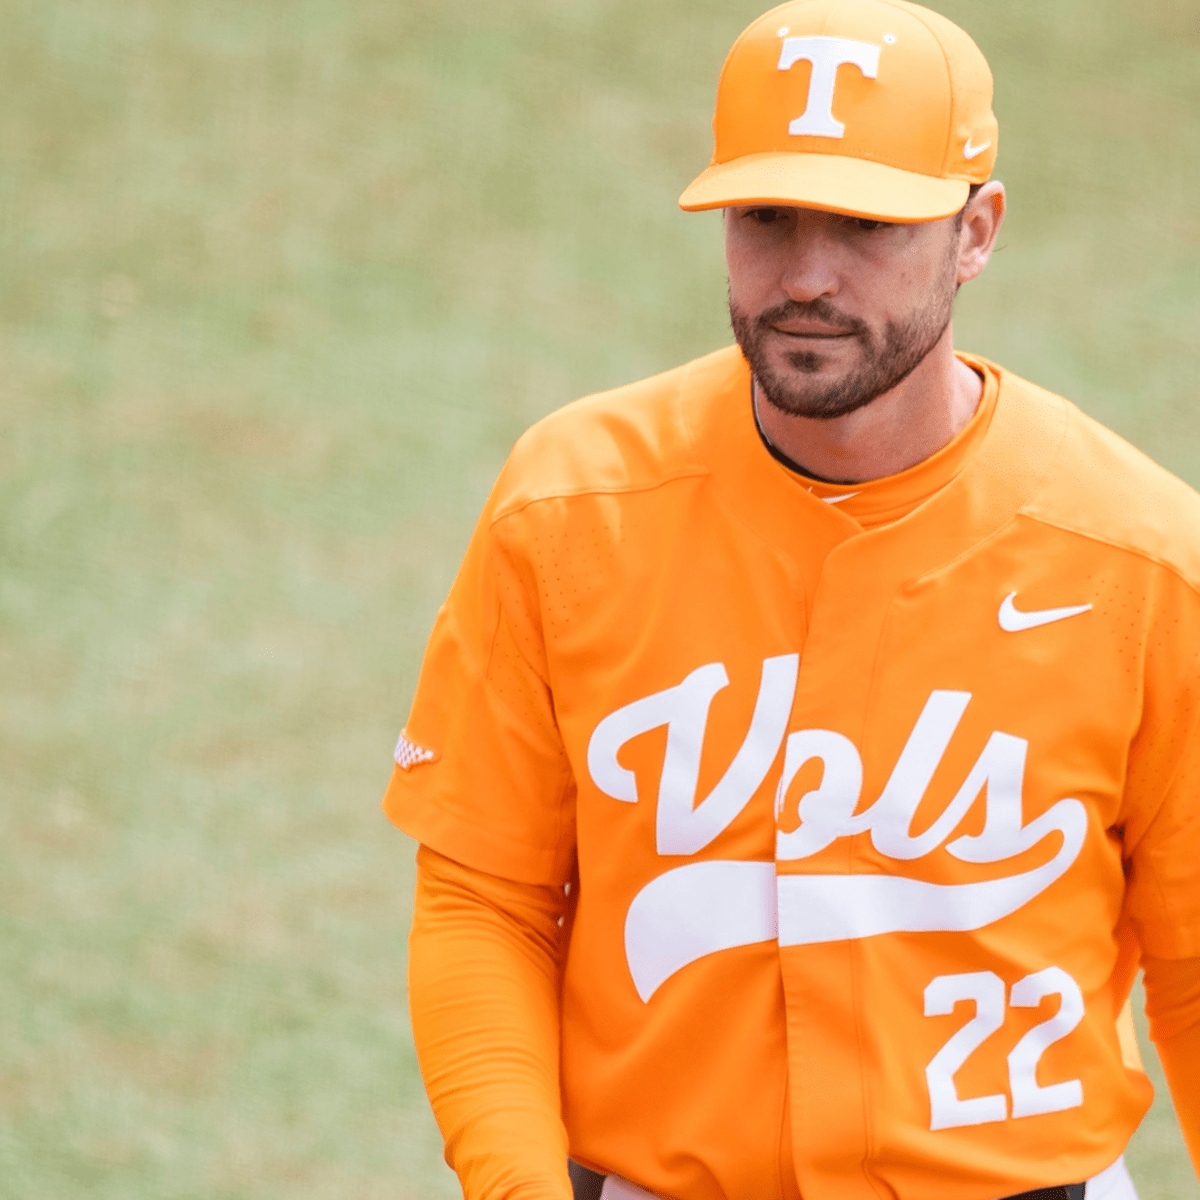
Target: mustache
819, 309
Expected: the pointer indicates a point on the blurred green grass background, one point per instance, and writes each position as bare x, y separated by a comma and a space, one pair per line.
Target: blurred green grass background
279, 286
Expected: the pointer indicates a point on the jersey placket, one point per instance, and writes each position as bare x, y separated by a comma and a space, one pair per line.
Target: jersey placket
834, 1097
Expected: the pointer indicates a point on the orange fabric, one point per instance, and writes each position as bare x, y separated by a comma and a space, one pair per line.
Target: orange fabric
1131, 1054
835, 795
484, 959
1172, 997
480, 1059
1173, 1007
882, 501
1180, 1055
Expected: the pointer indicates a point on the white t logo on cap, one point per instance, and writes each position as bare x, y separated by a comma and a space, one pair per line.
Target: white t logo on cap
826, 54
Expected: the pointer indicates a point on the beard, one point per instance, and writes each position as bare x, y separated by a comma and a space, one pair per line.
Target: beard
887, 357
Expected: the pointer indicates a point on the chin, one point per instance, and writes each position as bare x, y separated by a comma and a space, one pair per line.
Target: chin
827, 361
806, 366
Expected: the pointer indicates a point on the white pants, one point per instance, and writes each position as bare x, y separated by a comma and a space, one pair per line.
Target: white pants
1113, 1183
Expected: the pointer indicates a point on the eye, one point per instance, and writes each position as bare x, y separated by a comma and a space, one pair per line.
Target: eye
866, 225
766, 215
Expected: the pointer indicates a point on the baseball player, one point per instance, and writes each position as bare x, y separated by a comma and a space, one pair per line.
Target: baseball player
809, 749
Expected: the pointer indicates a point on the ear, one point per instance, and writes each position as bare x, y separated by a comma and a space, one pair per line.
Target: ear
981, 221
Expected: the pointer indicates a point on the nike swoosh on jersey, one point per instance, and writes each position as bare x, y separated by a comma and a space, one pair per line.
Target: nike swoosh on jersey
1012, 620
970, 151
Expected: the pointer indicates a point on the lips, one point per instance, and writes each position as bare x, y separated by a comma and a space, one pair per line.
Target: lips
813, 333
814, 321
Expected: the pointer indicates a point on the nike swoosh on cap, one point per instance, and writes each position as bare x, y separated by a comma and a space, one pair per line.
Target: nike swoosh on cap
970, 151
1012, 620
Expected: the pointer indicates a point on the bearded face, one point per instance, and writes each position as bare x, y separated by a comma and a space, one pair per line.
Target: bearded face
822, 356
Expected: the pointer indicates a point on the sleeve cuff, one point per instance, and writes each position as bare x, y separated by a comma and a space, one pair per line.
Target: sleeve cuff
473, 845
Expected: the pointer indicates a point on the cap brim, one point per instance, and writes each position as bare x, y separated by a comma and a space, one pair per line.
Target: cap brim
853, 186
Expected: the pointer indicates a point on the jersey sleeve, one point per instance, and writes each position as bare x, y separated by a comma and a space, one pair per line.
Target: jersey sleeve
481, 774
1162, 828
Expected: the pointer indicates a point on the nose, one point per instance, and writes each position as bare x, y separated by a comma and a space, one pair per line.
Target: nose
811, 268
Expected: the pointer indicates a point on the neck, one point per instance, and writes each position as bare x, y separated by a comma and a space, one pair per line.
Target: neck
893, 432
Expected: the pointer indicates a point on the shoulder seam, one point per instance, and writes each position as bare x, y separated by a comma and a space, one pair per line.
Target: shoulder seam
699, 472
1137, 551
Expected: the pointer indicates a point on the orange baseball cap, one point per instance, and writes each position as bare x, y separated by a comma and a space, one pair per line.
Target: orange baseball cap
875, 108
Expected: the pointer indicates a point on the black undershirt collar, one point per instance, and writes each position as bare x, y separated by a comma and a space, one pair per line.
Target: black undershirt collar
777, 454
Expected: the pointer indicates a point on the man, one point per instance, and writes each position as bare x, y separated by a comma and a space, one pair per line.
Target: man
856, 685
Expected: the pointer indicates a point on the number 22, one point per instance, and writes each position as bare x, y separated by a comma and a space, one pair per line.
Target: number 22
1029, 1098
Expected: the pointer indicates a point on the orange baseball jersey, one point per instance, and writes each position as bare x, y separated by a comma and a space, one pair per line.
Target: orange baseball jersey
867, 818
